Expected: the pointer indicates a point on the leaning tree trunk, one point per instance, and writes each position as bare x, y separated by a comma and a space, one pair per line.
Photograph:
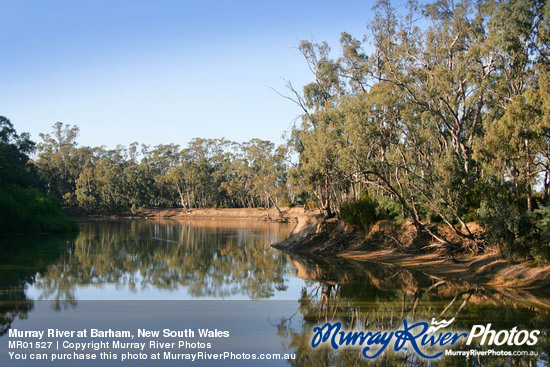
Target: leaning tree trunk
281, 214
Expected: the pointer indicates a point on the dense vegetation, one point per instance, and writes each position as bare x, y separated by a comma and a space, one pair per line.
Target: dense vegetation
441, 114
206, 173
443, 108
24, 208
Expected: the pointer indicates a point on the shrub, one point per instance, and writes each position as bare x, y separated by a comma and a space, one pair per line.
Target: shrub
361, 213
28, 210
387, 208
543, 220
508, 223
541, 252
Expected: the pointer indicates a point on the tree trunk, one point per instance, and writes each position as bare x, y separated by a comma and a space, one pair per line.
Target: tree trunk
281, 214
529, 199
326, 204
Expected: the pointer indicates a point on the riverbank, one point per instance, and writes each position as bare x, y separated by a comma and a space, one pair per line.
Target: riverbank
289, 215
393, 244
385, 243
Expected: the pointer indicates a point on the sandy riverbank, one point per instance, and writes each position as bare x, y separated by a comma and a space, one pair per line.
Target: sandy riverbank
289, 214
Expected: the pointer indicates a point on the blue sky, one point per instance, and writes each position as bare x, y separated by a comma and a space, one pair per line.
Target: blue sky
160, 72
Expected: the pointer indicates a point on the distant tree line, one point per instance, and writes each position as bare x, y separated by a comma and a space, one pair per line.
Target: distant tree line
441, 113
205, 173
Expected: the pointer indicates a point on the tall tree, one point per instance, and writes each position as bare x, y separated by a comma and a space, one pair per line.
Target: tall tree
14, 156
58, 161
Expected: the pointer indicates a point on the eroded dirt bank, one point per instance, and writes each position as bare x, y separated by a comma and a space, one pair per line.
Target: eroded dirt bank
393, 244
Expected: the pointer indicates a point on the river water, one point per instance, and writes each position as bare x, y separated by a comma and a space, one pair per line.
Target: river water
227, 261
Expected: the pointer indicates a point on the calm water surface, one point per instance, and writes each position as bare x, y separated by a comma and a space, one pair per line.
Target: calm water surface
232, 260
154, 260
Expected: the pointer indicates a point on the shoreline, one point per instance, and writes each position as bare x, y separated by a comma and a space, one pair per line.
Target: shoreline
392, 244
385, 243
290, 215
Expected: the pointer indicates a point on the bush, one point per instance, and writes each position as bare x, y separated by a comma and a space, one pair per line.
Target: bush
543, 220
387, 208
541, 253
361, 213
508, 223
28, 210
473, 203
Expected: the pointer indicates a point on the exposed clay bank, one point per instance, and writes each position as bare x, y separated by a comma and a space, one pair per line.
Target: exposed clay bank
392, 244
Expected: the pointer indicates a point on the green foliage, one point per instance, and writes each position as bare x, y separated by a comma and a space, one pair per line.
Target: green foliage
368, 210
543, 218
387, 208
60, 161
360, 213
509, 224
27, 210
472, 204
206, 173
519, 233
14, 160
541, 253
439, 110
23, 207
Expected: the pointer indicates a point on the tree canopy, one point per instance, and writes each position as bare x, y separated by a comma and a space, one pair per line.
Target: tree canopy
205, 173
24, 207
441, 107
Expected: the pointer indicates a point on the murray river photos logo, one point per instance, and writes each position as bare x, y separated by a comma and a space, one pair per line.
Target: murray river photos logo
421, 337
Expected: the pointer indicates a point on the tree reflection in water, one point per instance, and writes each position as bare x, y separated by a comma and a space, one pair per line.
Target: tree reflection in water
23, 259
372, 296
222, 259
209, 259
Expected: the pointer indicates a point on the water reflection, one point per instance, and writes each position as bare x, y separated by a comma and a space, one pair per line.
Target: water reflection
222, 259
23, 258
374, 296
205, 258
109, 259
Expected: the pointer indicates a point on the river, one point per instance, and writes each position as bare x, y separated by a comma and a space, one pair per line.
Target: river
224, 262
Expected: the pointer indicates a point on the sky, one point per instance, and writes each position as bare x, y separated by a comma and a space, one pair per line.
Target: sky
160, 72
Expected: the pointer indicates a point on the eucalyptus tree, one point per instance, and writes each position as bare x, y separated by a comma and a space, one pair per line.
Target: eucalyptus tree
267, 172
87, 186
515, 143
431, 112
318, 161
238, 179
157, 165
179, 179
440, 72
404, 120
206, 158
58, 162
14, 156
